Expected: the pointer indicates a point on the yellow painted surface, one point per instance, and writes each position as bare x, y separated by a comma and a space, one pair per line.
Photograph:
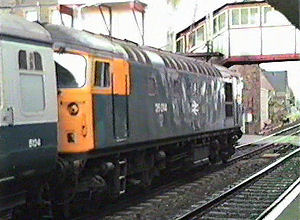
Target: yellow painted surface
120, 78
81, 124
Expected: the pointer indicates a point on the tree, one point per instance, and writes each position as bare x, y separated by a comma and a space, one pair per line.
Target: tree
174, 3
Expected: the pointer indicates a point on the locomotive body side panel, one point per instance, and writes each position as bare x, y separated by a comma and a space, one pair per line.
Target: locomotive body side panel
164, 104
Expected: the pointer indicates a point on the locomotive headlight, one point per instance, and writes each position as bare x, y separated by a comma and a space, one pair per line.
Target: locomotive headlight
73, 108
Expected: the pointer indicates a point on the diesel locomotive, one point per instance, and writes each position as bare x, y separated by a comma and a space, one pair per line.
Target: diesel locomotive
89, 113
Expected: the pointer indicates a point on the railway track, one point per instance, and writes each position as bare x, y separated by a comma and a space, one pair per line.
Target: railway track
182, 194
254, 197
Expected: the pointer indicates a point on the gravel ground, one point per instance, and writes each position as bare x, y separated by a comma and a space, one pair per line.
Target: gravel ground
177, 200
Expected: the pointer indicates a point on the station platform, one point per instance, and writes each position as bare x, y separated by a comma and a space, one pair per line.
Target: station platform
247, 139
260, 139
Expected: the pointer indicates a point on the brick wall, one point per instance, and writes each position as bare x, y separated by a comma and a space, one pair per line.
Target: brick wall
251, 95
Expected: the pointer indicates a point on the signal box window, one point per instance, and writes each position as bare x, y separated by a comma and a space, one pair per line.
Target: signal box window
235, 17
102, 74
266, 14
192, 39
200, 34
245, 16
222, 21
180, 45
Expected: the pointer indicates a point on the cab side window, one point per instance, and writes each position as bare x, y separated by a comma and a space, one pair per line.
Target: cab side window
102, 74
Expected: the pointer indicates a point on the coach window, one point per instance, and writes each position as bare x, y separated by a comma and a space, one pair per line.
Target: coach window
228, 100
38, 61
70, 70
31, 82
22, 60
102, 74
32, 92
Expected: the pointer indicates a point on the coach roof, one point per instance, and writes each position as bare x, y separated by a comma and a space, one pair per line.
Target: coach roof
16, 26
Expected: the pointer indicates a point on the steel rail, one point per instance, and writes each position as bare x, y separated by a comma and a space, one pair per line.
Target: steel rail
231, 191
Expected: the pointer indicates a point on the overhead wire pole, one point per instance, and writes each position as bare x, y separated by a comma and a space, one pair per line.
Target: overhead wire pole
108, 28
194, 19
137, 23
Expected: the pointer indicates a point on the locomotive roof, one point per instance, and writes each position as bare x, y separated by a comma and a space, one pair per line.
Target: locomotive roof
16, 26
68, 37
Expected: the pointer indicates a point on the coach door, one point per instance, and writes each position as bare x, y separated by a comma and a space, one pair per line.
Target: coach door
30, 85
120, 88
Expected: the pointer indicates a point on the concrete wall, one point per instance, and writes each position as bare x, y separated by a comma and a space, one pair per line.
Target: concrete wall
264, 106
30, 9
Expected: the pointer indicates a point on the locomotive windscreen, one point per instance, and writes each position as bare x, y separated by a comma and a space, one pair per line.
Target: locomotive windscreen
70, 70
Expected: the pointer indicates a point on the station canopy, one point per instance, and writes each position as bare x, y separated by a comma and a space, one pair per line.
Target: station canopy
130, 4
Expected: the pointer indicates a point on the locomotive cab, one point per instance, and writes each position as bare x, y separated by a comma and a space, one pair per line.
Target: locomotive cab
75, 103
85, 81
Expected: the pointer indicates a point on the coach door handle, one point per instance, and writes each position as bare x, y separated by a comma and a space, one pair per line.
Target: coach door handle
8, 116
